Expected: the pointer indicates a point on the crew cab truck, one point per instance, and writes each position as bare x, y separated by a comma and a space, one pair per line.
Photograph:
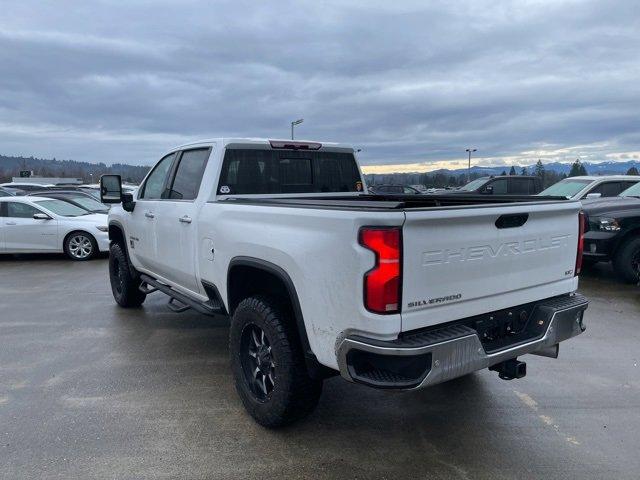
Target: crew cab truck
320, 277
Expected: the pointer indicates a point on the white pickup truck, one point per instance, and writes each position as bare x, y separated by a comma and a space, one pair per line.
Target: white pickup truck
319, 277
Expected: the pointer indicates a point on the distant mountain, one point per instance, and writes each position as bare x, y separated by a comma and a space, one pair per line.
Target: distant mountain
42, 167
554, 172
604, 168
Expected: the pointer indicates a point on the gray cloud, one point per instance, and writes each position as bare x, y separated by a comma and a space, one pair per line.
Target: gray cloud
413, 82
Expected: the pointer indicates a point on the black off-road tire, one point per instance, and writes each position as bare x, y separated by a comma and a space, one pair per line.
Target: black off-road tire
293, 393
124, 285
626, 262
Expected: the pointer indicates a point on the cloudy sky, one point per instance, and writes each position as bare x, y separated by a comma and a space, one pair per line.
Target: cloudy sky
411, 83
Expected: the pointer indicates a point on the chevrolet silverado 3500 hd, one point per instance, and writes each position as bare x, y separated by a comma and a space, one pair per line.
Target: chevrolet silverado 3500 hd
320, 277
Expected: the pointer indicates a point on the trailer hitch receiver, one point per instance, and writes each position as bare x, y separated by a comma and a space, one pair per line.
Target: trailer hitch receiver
510, 369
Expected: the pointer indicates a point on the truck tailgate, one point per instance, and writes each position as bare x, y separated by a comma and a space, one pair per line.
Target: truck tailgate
459, 262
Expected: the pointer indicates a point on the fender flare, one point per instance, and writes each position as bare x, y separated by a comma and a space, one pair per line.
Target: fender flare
313, 365
117, 224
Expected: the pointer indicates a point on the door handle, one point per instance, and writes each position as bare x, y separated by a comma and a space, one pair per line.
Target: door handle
185, 219
149, 215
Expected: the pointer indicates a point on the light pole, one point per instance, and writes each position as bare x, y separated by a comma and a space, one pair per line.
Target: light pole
297, 122
469, 150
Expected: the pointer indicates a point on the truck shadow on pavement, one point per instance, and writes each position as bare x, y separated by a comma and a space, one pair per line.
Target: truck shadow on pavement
34, 257
462, 427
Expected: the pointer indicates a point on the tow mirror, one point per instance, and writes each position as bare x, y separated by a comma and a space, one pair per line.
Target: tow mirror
594, 195
41, 216
110, 189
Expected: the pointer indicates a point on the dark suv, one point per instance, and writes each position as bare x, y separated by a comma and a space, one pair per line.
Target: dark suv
614, 232
502, 185
393, 190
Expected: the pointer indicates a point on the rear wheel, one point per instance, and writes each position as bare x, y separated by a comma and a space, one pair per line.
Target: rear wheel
627, 260
80, 246
268, 365
124, 285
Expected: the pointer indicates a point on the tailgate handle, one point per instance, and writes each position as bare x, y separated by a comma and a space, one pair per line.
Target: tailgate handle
512, 221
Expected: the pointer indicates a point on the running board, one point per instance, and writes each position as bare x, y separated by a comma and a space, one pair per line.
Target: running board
151, 285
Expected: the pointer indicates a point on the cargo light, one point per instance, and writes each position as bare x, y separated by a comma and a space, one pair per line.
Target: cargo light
581, 229
290, 145
382, 283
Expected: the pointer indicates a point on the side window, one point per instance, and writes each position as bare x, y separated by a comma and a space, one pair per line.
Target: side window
188, 177
499, 186
154, 186
21, 210
519, 186
607, 189
626, 185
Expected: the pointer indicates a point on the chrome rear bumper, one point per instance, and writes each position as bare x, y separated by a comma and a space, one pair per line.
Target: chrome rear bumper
436, 356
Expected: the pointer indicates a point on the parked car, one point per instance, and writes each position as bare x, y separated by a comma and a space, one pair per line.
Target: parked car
319, 278
419, 188
39, 225
579, 188
94, 189
77, 198
393, 190
26, 186
614, 232
8, 192
501, 185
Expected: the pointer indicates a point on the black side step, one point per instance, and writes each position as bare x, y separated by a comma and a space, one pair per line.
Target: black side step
176, 306
188, 302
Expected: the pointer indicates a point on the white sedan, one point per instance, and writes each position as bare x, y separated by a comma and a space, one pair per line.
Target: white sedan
40, 225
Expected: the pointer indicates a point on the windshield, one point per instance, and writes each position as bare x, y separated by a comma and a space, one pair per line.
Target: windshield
64, 209
94, 192
475, 184
632, 191
89, 203
566, 188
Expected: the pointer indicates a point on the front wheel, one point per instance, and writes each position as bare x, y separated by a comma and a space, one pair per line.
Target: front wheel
80, 246
124, 285
268, 365
627, 260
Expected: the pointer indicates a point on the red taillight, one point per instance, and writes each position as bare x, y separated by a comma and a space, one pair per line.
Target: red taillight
581, 229
382, 282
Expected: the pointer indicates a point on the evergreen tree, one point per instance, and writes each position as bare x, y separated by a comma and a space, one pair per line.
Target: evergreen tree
512, 171
539, 169
524, 171
504, 172
577, 169
633, 171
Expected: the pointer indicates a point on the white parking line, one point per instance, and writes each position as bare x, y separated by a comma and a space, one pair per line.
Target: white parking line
547, 420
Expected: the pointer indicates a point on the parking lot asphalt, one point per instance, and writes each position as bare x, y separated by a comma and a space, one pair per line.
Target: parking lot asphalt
89, 390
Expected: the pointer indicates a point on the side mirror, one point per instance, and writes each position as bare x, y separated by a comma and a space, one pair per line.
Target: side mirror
110, 189
594, 195
488, 190
41, 216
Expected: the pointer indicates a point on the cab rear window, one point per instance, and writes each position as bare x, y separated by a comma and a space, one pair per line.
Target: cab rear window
247, 171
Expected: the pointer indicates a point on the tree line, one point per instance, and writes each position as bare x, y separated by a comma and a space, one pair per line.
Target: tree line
441, 179
88, 172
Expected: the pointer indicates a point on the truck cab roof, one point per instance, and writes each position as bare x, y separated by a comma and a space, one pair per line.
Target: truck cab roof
225, 141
